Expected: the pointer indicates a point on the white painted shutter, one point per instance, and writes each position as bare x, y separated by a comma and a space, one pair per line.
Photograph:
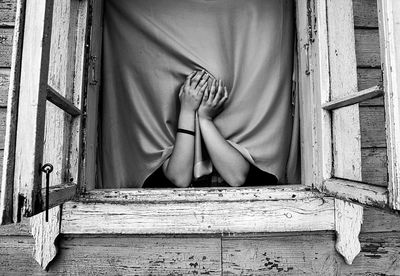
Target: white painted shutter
45, 103
329, 101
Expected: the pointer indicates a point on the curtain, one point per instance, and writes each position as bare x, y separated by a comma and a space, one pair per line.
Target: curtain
150, 46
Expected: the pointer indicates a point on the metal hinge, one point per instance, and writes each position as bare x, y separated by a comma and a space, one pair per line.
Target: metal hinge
92, 70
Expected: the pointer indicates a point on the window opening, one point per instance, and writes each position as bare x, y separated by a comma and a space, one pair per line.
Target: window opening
148, 50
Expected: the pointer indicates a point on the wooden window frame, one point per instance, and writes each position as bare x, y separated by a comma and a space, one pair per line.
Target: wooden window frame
316, 204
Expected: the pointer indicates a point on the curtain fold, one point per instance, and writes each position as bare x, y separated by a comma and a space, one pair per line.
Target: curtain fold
149, 46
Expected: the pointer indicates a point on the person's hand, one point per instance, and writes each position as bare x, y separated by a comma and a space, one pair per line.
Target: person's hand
192, 90
213, 100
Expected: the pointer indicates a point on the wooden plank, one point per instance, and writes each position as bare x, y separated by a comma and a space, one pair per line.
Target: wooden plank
343, 78
76, 168
309, 254
3, 118
57, 99
7, 184
7, 12
379, 255
372, 121
348, 220
198, 217
268, 193
351, 99
4, 86
356, 192
6, 42
374, 170
389, 26
116, 256
93, 92
59, 194
314, 77
376, 220
305, 99
140, 256
367, 47
283, 254
365, 14
32, 105
368, 77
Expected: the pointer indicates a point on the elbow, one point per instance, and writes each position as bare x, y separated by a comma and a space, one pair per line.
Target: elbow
236, 181
179, 180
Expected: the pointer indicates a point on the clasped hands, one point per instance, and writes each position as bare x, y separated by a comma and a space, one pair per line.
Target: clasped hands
196, 95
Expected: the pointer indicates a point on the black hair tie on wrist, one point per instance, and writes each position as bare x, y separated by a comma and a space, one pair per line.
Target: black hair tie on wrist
181, 130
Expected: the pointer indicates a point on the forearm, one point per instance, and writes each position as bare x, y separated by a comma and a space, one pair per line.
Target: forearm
179, 168
230, 163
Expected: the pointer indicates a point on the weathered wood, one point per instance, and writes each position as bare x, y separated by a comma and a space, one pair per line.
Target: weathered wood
343, 78
283, 254
356, 192
348, 220
4, 85
57, 99
45, 235
367, 47
379, 255
389, 26
372, 121
32, 106
365, 14
7, 181
7, 12
358, 97
3, 123
268, 193
368, 77
374, 170
198, 217
76, 164
93, 91
58, 194
376, 220
314, 78
6, 42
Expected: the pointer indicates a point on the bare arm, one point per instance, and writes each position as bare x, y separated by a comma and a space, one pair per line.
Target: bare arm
230, 163
179, 167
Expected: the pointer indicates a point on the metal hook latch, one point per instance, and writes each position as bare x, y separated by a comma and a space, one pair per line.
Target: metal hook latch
47, 169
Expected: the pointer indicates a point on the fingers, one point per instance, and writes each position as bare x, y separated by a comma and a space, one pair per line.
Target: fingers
206, 95
188, 78
203, 83
225, 97
196, 79
212, 91
220, 93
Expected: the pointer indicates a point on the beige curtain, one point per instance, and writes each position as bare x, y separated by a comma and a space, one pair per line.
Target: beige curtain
150, 46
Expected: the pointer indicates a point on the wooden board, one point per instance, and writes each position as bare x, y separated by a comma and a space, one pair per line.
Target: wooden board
367, 47
301, 254
4, 84
6, 40
7, 12
365, 14
372, 121
198, 217
374, 169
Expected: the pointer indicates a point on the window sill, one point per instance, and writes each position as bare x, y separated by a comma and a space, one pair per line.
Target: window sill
283, 208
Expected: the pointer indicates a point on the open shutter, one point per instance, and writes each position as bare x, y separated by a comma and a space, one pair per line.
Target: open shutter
329, 82
46, 108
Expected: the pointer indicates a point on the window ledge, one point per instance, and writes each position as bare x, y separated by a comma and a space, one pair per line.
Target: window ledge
199, 211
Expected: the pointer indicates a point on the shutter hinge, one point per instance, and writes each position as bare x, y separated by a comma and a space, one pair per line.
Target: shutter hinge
92, 70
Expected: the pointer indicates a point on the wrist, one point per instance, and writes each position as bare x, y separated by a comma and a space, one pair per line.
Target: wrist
203, 118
